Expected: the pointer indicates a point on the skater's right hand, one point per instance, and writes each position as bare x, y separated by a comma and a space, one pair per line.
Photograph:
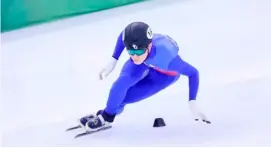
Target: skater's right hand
108, 68
198, 115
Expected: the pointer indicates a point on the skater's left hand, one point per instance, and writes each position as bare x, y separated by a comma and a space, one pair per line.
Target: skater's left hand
108, 68
198, 115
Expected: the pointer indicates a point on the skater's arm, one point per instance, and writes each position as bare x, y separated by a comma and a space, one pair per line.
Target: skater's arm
119, 47
182, 67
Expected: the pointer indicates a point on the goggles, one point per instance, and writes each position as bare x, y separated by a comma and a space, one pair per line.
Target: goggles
137, 52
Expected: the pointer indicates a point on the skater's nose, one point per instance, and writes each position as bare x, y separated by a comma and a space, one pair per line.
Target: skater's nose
135, 56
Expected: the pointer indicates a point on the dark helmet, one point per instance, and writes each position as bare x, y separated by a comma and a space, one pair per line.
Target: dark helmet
137, 35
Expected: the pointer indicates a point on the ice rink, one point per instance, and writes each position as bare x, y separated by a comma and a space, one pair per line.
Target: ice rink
50, 77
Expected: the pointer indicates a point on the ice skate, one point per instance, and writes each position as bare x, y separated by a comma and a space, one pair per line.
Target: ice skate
97, 123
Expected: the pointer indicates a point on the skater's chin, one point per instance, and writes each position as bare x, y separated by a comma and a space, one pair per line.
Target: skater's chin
138, 62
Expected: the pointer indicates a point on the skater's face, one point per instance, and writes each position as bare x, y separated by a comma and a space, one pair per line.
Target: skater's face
139, 56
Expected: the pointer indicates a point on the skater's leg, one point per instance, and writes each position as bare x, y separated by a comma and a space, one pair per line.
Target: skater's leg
120, 109
148, 87
152, 84
129, 76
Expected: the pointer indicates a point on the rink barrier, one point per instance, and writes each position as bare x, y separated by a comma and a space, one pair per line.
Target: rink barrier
16, 14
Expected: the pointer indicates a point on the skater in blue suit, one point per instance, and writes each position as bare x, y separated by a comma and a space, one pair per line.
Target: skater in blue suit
154, 64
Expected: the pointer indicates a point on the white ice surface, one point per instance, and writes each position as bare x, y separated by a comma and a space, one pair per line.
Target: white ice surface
50, 77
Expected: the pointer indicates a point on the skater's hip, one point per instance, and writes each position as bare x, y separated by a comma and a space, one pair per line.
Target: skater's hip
158, 76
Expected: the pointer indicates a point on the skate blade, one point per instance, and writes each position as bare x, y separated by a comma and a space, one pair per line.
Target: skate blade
73, 128
91, 132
